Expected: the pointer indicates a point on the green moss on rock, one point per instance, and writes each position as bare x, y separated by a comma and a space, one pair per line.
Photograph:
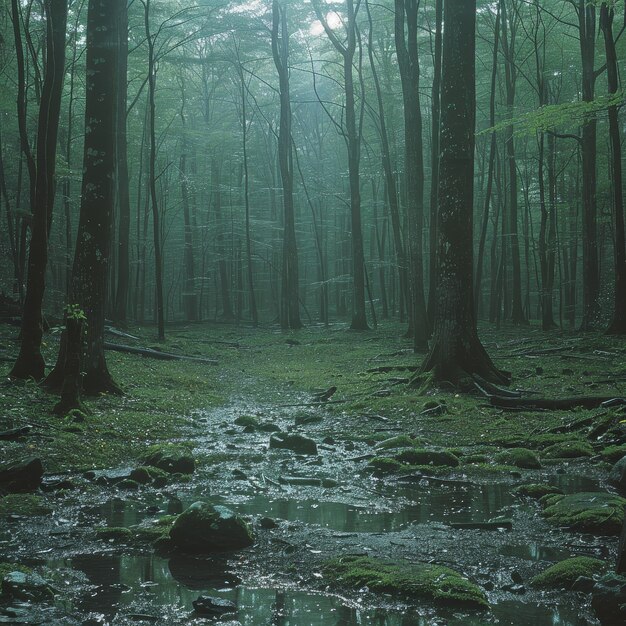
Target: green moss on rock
247, 420
26, 504
117, 534
569, 450
519, 457
146, 474
612, 454
592, 512
563, 575
421, 456
172, 458
385, 465
401, 441
536, 490
422, 580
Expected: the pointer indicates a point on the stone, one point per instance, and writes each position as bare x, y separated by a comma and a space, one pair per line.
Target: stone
419, 456
583, 584
591, 512
617, 475
608, 599
206, 528
519, 457
26, 587
536, 490
569, 450
21, 477
213, 606
296, 443
564, 574
267, 523
172, 459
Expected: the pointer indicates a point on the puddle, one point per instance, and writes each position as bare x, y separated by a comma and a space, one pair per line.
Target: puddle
119, 585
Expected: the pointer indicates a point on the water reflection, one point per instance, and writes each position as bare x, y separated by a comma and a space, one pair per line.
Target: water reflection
120, 583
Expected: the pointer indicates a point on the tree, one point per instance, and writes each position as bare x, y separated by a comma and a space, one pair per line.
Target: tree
92, 260
456, 350
618, 323
408, 63
30, 362
352, 137
289, 299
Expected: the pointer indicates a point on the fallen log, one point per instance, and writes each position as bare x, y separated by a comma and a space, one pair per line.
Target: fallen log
563, 404
156, 354
14, 433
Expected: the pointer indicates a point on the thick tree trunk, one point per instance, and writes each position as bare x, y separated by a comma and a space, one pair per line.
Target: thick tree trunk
91, 269
30, 362
456, 350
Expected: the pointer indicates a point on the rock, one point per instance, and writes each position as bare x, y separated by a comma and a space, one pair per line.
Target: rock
213, 607
519, 457
569, 450
401, 441
247, 420
514, 588
207, 528
609, 599
583, 584
21, 477
419, 456
564, 574
267, 523
308, 419
27, 587
172, 459
612, 454
269, 427
592, 512
536, 490
617, 475
297, 443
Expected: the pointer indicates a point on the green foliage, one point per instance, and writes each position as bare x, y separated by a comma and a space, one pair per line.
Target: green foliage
519, 457
74, 312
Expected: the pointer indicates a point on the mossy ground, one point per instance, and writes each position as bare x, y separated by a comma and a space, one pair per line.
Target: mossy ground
563, 575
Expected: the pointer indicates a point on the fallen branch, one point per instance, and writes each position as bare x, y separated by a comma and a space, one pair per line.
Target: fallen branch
564, 404
156, 354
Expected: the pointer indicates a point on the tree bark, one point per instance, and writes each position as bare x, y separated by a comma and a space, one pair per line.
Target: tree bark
30, 362
456, 350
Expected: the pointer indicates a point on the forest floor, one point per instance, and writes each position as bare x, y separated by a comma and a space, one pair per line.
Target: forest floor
358, 496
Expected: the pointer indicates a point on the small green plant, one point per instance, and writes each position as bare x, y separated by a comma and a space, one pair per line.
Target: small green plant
74, 312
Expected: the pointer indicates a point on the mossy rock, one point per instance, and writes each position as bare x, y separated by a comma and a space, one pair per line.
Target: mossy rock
6, 568
519, 457
247, 420
386, 465
117, 534
591, 512
476, 458
563, 575
205, 528
154, 530
401, 441
536, 490
146, 474
422, 580
421, 456
173, 459
26, 587
568, 450
612, 454
25, 504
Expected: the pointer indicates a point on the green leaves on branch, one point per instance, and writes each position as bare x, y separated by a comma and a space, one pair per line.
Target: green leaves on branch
563, 116
74, 312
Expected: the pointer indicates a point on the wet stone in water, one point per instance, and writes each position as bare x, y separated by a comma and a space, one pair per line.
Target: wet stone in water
213, 606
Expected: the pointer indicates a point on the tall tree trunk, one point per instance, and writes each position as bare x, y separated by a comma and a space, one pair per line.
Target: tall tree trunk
289, 299
30, 362
154, 203
227, 309
347, 50
434, 162
618, 323
122, 178
456, 350
591, 288
408, 63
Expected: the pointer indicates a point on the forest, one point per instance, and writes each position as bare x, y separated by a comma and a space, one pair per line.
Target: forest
312, 312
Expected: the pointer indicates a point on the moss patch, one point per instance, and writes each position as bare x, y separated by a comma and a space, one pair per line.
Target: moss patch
420, 456
568, 450
612, 454
424, 580
115, 534
536, 490
22, 504
592, 512
7, 568
401, 441
519, 457
564, 574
